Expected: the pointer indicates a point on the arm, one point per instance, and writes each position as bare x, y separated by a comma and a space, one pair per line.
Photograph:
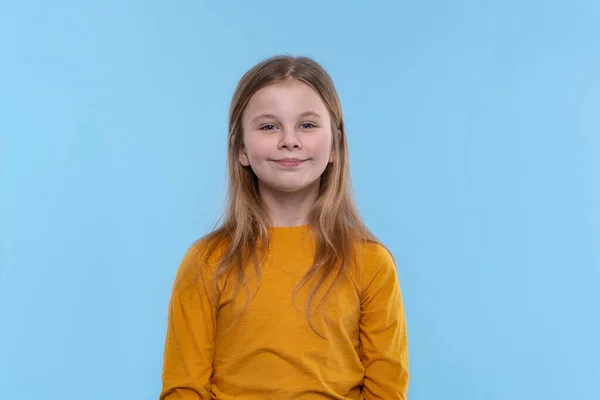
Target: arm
383, 334
189, 345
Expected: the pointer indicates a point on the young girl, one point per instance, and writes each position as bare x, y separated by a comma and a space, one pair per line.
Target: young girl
292, 297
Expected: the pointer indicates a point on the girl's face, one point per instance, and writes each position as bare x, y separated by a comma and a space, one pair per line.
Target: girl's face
287, 137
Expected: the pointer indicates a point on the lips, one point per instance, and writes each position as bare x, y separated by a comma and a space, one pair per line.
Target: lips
289, 162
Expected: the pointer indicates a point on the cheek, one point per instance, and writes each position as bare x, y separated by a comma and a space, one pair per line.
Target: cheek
257, 149
323, 147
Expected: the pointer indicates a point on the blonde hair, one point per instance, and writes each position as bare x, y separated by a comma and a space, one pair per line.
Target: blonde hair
333, 220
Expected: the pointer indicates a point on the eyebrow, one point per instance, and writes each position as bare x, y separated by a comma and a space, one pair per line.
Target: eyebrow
304, 114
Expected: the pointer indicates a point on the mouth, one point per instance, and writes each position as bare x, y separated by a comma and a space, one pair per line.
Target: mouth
289, 162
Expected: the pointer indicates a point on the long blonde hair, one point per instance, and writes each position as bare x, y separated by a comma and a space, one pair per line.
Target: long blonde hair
333, 220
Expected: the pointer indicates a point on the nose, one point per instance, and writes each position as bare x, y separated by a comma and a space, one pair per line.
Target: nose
289, 140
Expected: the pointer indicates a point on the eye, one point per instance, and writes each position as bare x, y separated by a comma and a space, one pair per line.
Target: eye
310, 125
268, 127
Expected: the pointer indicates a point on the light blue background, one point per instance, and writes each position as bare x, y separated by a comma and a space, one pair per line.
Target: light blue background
474, 131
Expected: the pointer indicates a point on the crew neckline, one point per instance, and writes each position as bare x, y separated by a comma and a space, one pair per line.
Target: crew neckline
288, 228
287, 231
288, 234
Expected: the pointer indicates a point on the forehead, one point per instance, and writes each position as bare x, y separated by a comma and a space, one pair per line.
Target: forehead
286, 97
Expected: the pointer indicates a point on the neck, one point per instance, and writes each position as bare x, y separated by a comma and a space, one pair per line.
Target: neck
289, 208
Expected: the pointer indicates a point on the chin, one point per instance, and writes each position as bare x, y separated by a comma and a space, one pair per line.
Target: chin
288, 187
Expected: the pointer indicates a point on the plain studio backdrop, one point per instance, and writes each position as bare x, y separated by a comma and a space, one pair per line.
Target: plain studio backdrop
474, 134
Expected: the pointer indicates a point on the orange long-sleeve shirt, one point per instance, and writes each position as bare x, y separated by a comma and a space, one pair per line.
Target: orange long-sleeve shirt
217, 349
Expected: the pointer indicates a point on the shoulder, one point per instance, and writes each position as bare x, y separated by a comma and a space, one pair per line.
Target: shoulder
370, 253
200, 259
210, 247
374, 255
375, 262
374, 252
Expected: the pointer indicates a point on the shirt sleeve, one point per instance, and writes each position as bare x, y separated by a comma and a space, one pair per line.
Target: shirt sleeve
383, 336
189, 344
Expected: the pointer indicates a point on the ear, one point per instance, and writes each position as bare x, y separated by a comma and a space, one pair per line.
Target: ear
332, 153
243, 157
